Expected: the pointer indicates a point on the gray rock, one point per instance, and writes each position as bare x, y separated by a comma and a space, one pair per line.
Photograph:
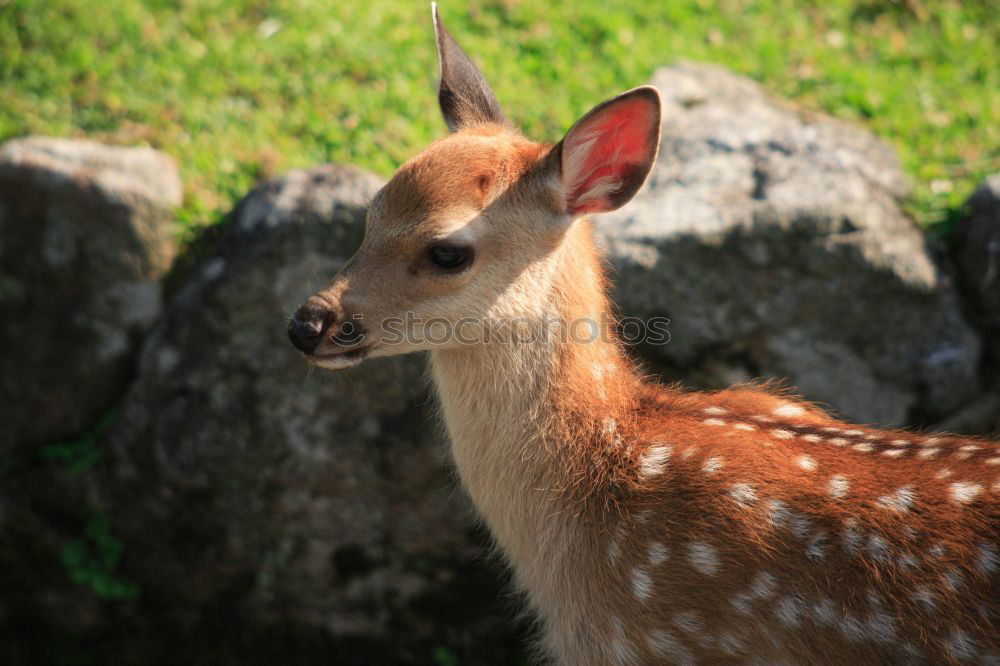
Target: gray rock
980, 417
774, 242
246, 483
977, 255
85, 236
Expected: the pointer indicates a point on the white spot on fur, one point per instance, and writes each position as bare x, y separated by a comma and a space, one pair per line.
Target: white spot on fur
943, 474
969, 447
788, 410
742, 603
964, 492
743, 493
987, 561
924, 597
748, 427
714, 410
832, 430
714, 422
952, 579
936, 551
642, 584
762, 419
654, 460
930, 441
597, 371
901, 500
816, 548
623, 652
777, 512
837, 486
789, 611
615, 546
712, 465
961, 645
854, 433
852, 536
609, 428
927, 454
852, 628
880, 627
899, 442
703, 558
731, 645
665, 645
907, 561
688, 622
839, 441
825, 612
992, 461
812, 438
777, 433
893, 453
878, 548
864, 447
806, 462
764, 586
688, 452
658, 553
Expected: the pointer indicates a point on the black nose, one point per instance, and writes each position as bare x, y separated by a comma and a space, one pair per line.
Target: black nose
306, 327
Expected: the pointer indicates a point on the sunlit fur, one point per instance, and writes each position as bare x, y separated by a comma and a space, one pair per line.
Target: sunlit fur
648, 525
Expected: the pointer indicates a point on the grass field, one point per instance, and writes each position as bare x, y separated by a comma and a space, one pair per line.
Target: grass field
237, 90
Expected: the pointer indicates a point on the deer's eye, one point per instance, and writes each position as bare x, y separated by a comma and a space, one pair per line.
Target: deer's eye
450, 257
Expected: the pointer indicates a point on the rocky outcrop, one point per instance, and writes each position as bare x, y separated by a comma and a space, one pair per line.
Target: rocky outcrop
86, 233
774, 242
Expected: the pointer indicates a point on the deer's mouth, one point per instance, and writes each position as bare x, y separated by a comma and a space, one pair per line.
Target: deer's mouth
338, 360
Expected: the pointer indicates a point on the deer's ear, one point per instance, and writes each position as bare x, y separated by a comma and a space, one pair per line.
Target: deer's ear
466, 99
605, 157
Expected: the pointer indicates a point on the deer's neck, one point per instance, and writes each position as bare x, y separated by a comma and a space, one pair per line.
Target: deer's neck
513, 411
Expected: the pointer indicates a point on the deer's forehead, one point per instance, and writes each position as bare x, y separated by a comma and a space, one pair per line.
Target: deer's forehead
449, 183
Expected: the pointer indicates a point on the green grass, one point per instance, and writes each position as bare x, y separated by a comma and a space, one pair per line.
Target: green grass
237, 90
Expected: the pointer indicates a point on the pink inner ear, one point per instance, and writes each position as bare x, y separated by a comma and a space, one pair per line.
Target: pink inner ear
603, 150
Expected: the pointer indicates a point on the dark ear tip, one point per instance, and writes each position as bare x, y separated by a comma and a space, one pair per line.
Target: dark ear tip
649, 92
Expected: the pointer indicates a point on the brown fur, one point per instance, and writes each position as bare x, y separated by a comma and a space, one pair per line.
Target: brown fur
559, 487
835, 603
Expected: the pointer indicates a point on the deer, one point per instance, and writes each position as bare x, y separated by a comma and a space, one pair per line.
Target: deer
646, 523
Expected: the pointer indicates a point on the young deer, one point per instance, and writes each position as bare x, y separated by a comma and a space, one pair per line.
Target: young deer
645, 524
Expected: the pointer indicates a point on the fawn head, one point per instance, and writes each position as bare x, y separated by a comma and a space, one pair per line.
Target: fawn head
463, 233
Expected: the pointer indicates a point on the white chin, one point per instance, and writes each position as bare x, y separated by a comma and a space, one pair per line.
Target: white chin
336, 362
